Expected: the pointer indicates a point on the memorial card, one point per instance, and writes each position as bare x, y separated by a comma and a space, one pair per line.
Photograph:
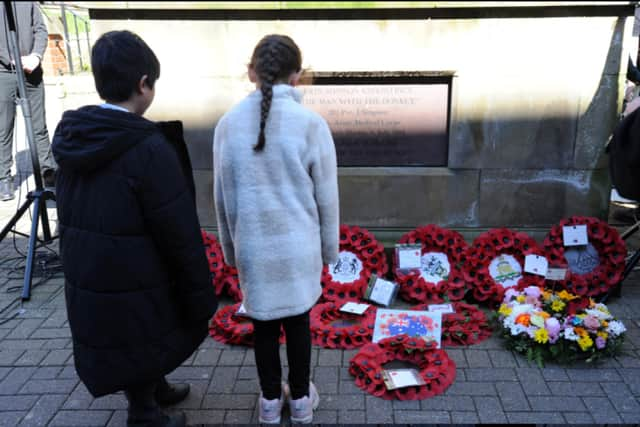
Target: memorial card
442, 308
575, 235
418, 324
408, 257
398, 378
556, 274
536, 264
381, 291
354, 307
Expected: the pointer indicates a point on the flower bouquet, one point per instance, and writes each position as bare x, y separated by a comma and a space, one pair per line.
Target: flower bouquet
548, 325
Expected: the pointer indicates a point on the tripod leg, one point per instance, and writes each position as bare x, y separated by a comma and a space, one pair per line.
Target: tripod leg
15, 218
33, 238
46, 230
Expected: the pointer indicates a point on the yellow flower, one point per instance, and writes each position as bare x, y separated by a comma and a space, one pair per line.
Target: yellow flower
544, 314
505, 310
585, 342
603, 335
541, 336
557, 305
566, 295
604, 324
592, 303
546, 295
520, 298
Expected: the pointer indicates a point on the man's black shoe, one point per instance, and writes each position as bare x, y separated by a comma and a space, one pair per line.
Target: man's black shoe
6, 190
49, 178
170, 394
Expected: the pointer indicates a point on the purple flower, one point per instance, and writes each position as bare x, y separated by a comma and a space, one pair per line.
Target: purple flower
601, 343
553, 326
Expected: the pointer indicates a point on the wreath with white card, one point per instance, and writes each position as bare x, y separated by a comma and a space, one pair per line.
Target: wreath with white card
434, 367
439, 278
495, 262
332, 328
361, 255
592, 269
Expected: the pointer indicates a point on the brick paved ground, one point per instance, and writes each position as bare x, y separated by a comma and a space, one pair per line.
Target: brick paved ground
39, 386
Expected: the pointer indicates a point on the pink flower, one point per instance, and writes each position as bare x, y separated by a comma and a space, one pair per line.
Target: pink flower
591, 322
553, 326
600, 343
532, 291
532, 300
510, 294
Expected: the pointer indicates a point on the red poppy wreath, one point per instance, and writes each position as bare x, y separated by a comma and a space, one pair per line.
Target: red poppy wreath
360, 256
332, 328
434, 365
213, 250
495, 262
228, 327
592, 269
439, 278
468, 325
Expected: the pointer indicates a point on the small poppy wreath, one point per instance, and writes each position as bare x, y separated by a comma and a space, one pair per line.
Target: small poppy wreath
360, 256
325, 332
495, 261
591, 271
440, 279
215, 259
223, 277
229, 328
434, 366
467, 326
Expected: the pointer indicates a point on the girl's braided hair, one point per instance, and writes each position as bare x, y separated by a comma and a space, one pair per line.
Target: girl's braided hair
274, 59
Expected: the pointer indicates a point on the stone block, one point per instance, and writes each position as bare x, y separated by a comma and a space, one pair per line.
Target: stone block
541, 198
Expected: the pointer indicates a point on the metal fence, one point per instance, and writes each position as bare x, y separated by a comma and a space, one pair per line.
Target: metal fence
75, 24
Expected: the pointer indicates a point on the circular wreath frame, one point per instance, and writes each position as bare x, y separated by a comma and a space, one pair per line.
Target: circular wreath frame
611, 251
434, 366
413, 287
485, 248
369, 251
467, 326
229, 328
324, 334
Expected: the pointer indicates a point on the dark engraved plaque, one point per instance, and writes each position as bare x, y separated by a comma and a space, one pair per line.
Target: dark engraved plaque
384, 123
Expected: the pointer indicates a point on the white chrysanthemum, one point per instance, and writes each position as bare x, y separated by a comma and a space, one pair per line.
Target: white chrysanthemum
508, 322
600, 311
616, 328
570, 334
517, 329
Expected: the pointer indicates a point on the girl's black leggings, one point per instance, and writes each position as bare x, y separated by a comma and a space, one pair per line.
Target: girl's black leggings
267, 352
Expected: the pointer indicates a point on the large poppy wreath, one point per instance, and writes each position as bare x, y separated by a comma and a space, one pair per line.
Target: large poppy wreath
440, 278
467, 326
332, 328
360, 256
228, 327
495, 262
434, 366
594, 269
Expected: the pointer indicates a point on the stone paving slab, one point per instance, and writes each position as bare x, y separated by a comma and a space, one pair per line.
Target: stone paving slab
39, 385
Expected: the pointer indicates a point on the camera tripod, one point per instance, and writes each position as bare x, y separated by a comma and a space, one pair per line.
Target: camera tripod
40, 195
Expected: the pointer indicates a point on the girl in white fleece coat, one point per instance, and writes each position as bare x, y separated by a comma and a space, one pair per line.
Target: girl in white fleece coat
276, 199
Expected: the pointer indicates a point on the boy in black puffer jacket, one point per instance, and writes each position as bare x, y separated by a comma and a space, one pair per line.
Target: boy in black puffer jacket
137, 284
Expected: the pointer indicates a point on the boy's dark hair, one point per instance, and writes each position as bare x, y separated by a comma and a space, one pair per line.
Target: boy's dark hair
119, 59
